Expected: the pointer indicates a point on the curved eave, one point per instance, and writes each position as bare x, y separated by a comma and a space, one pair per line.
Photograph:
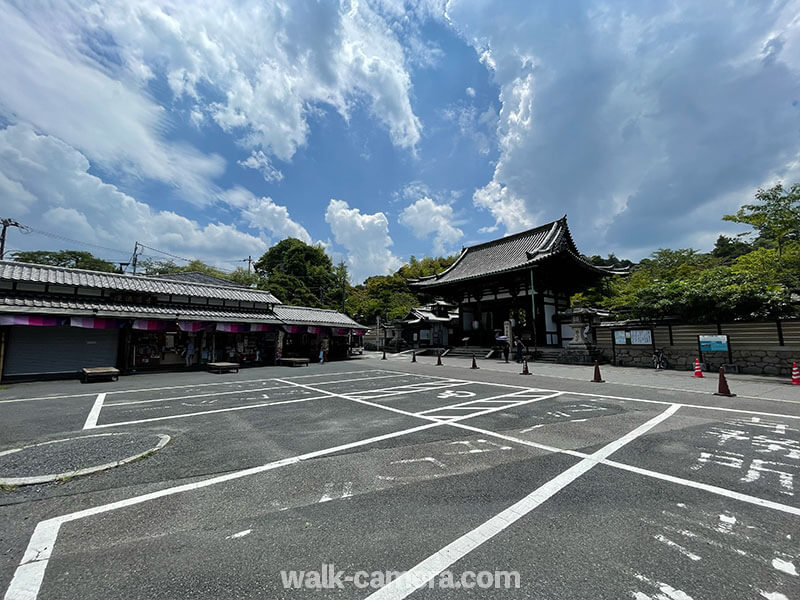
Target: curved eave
535, 261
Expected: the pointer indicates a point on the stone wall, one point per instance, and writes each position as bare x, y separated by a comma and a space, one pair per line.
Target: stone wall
757, 361
756, 348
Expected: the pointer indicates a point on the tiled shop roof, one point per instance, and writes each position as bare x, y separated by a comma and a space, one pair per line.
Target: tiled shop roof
510, 253
301, 315
198, 277
31, 273
289, 315
80, 306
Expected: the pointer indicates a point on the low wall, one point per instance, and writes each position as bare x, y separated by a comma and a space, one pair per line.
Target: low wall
767, 348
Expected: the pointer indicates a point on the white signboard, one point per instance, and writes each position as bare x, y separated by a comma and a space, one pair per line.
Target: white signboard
619, 338
641, 337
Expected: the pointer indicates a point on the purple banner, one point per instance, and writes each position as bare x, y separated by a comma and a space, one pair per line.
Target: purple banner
192, 325
294, 328
152, 324
233, 327
340, 331
95, 323
262, 327
31, 320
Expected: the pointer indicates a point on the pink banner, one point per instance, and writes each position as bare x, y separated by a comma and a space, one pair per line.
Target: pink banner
359, 331
233, 327
152, 325
293, 328
261, 327
340, 331
31, 320
94, 323
312, 329
192, 325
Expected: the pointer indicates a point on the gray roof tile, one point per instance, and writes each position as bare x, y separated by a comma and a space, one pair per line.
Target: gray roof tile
15, 271
510, 253
302, 315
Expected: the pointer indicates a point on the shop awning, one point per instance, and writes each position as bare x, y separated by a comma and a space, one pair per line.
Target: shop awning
193, 325
31, 320
153, 324
95, 323
233, 327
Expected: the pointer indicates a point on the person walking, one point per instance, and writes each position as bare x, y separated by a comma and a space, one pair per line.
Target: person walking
519, 348
506, 350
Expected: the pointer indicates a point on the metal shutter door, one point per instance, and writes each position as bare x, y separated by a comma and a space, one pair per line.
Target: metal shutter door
36, 350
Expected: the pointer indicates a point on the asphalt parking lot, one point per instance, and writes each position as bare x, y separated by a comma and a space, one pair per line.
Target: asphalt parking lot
391, 479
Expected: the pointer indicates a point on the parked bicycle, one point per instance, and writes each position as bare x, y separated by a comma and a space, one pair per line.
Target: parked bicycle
659, 360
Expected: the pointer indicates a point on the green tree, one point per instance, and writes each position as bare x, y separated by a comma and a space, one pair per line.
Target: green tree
75, 259
300, 274
726, 249
776, 217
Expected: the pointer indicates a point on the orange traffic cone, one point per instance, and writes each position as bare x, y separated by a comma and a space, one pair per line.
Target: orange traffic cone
413, 356
439, 358
698, 372
723, 389
795, 374
597, 378
474, 364
525, 370
384, 354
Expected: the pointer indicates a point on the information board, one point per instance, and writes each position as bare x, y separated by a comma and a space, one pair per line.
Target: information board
641, 337
619, 338
713, 343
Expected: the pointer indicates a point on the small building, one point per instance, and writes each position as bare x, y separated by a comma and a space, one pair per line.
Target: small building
519, 282
429, 326
55, 320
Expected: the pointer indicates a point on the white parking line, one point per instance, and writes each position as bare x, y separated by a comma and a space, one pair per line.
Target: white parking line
241, 391
201, 385
91, 420
208, 412
29, 574
420, 574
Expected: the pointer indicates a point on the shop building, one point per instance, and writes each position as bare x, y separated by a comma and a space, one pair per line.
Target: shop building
55, 321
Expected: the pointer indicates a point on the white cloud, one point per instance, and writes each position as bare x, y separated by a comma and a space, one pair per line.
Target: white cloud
630, 116
260, 161
63, 198
425, 217
507, 209
470, 92
263, 213
48, 84
365, 237
271, 63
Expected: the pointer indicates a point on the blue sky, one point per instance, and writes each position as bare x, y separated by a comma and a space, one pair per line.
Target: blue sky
385, 129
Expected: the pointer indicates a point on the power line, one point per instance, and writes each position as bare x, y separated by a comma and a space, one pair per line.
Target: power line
67, 239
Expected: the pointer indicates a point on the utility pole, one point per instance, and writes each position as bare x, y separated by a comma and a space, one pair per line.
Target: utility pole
6, 223
249, 261
134, 260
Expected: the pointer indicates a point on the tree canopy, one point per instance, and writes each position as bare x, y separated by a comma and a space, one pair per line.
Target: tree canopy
75, 259
740, 278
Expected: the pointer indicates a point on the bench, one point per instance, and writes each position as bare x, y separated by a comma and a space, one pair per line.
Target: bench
223, 367
94, 373
293, 362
